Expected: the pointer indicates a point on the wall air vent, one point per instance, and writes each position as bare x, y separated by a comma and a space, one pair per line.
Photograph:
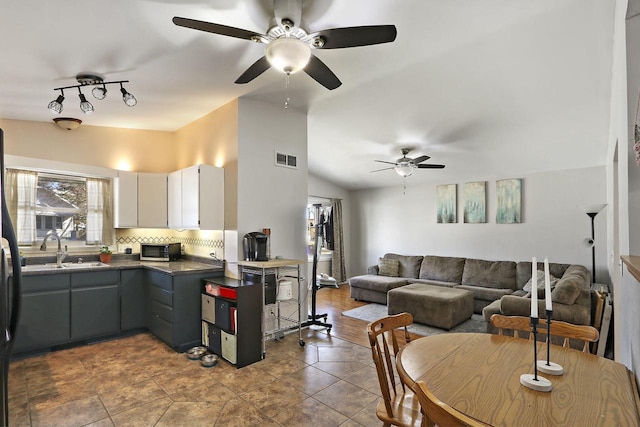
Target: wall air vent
286, 160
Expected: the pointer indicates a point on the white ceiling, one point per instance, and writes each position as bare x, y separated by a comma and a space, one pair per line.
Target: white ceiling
484, 86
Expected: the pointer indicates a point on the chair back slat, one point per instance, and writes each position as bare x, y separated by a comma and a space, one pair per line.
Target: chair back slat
439, 412
586, 334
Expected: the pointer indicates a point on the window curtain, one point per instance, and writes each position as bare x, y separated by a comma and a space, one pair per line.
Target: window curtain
338, 270
20, 191
99, 212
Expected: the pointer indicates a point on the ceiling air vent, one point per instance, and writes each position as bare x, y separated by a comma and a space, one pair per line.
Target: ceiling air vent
286, 160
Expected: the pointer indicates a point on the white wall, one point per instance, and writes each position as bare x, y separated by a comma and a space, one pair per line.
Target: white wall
554, 222
322, 188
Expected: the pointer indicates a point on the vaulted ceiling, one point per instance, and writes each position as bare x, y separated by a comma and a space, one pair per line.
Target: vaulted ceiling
481, 86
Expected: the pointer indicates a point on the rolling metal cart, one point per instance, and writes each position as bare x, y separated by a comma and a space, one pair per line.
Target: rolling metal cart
278, 268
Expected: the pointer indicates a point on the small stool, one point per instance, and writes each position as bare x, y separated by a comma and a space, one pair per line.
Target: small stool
432, 305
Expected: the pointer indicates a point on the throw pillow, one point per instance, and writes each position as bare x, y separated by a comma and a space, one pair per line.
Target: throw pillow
567, 290
540, 283
388, 267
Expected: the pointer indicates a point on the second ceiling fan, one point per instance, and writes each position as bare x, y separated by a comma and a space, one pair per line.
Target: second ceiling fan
404, 166
289, 45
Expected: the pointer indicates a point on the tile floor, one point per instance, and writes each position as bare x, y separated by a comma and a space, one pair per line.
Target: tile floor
139, 381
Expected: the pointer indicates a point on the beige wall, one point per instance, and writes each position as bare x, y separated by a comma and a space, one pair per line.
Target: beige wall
213, 140
114, 148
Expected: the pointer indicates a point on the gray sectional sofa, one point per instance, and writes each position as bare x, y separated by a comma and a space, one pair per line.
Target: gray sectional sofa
497, 286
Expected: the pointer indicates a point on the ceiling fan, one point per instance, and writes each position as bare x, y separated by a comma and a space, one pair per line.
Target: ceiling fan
404, 166
289, 44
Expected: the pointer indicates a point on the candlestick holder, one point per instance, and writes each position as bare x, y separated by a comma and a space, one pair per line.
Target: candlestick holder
533, 381
547, 366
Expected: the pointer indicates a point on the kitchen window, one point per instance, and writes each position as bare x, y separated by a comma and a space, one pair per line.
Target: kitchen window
77, 208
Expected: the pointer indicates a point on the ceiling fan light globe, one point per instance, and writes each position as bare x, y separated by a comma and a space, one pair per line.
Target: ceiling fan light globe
404, 170
288, 55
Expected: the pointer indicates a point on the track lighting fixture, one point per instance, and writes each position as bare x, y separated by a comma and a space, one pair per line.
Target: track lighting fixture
99, 92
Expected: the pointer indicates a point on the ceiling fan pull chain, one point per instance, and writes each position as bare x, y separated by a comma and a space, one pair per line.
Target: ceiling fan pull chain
287, 99
404, 185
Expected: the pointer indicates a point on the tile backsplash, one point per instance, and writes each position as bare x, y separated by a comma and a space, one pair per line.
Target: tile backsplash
194, 242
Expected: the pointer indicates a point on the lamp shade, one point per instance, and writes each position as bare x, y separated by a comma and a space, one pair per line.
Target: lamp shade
68, 123
288, 55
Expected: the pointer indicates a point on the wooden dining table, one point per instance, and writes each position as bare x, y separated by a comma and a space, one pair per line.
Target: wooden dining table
479, 375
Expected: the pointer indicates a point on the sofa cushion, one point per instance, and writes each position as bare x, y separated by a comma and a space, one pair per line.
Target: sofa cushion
568, 289
388, 267
489, 274
442, 269
523, 271
377, 283
540, 283
435, 282
409, 264
486, 294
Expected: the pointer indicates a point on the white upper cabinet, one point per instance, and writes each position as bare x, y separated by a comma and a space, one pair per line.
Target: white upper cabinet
126, 196
196, 198
152, 200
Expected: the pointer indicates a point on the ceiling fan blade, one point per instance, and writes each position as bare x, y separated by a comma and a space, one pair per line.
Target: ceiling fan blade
288, 9
382, 161
379, 170
337, 38
321, 73
258, 67
429, 166
420, 159
222, 30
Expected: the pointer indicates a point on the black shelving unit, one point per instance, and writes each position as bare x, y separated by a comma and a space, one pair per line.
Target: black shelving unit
237, 339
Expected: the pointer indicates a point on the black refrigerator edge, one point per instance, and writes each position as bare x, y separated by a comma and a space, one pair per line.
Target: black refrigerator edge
10, 299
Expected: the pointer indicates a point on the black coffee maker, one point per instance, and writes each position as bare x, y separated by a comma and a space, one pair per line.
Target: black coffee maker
254, 246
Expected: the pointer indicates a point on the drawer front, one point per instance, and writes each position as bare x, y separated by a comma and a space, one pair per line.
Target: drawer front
208, 308
215, 343
163, 281
45, 282
223, 316
165, 297
161, 329
94, 278
229, 347
164, 311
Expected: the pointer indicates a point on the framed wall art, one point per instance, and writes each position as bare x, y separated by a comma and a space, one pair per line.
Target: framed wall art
509, 200
446, 203
475, 202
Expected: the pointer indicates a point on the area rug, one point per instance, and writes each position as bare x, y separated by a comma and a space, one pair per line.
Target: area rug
371, 312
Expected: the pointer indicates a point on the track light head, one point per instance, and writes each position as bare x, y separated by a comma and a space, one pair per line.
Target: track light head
85, 105
55, 106
99, 93
128, 98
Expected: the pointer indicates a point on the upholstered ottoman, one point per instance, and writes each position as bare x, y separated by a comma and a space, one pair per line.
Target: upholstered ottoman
437, 306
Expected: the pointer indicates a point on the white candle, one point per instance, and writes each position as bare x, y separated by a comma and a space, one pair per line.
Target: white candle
547, 285
534, 287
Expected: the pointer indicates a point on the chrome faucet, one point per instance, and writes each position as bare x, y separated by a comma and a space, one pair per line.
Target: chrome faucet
60, 255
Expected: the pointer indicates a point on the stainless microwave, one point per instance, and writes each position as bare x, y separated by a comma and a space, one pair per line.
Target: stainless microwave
159, 251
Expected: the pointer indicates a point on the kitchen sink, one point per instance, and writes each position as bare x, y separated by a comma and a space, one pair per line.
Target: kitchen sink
65, 265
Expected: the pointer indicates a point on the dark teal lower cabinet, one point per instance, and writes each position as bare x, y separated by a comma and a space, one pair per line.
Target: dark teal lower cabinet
44, 317
132, 302
95, 304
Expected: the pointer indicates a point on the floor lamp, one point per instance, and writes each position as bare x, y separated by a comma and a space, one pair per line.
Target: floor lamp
592, 211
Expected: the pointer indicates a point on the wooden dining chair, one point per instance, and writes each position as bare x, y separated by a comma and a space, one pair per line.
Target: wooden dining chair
586, 334
398, 406
438, 412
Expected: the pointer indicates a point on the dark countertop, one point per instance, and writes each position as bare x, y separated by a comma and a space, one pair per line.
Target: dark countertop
174, 268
